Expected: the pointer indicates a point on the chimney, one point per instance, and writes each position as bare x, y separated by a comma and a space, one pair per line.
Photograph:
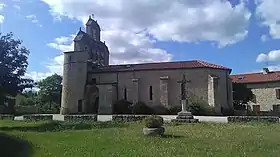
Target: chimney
265, 71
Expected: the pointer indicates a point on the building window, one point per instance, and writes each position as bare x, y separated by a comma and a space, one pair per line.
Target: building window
125, 94
80, 106
93, 80
151, 93
277, 93
70, 59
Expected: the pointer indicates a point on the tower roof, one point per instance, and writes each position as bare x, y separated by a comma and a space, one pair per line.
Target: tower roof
92, 22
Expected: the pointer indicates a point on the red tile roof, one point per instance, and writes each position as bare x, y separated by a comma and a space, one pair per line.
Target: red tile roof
162, 66
256, 77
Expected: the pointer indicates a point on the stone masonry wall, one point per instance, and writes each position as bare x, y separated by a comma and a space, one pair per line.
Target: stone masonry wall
197, 88
265, 95
74, 79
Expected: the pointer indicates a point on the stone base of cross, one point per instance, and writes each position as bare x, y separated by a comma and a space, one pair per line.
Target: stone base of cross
184, 116
184, 111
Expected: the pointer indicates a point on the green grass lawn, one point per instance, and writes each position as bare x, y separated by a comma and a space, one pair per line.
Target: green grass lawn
42, 139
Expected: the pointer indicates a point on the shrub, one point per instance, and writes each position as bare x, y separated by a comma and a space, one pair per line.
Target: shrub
227, 112
37, 117
197, 109
174, 109
122, 107
272, 119
153, 121
142, 108
128, 118
200, 109
6, 117
80, 118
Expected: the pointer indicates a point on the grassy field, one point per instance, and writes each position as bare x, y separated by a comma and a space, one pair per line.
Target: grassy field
43, 139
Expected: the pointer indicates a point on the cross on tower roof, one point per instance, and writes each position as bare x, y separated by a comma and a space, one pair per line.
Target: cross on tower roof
90, 17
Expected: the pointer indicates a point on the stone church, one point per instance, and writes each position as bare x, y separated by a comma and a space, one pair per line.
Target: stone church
91, 85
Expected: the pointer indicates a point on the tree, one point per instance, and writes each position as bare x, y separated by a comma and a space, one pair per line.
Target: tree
13, 65
50, 90
241, 94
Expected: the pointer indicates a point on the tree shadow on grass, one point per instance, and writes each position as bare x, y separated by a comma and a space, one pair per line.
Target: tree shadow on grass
55, 126
11, 146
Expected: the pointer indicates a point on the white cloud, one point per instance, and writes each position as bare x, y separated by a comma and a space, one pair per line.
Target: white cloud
63, 43
268, 11
177, 20
2, 6
270, 56
54, 66
2, 17
124, 46
128, 25
274, 67
37, 76
33, 19
17, 7
127, 47
264, 38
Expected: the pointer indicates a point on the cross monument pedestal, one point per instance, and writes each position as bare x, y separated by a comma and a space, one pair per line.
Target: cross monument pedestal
184, 116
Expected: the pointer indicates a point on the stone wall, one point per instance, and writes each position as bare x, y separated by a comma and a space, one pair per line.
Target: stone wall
165, 87
74, 80
107, 96
265, 95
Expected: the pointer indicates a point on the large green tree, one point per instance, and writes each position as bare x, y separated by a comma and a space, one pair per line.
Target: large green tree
13, 65
50, 89
241, 94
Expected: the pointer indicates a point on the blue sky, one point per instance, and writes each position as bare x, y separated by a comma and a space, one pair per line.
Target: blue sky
240, 34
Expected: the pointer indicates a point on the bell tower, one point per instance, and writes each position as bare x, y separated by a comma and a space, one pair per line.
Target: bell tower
93, 28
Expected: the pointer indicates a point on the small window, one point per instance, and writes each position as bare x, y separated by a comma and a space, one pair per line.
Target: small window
70, 58
80, 106
151, 93
93, 80
277, 93
125, 94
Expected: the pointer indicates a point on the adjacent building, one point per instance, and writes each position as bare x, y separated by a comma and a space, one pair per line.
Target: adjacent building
91, 85
265, 86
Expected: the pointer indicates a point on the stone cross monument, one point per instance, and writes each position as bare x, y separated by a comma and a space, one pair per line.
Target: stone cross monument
184, 100
184, 116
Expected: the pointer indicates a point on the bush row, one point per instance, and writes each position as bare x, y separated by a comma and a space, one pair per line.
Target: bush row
128, 118
79, 118
272, 119
6, 117
126, 107
37, 117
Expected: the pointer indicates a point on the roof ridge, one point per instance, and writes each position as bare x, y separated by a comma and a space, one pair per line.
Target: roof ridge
157, 62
